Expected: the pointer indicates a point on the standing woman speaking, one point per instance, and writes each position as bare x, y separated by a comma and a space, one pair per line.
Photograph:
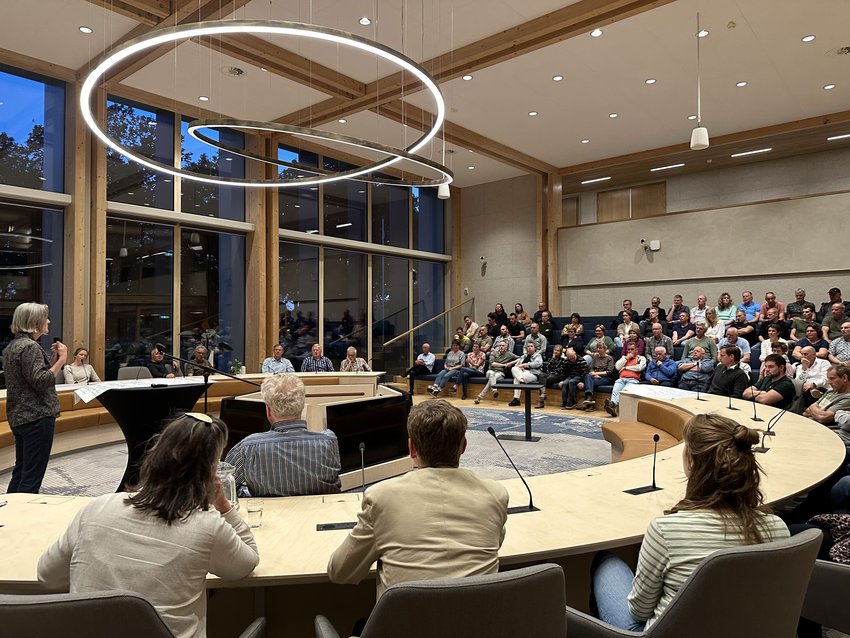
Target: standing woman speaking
31, 402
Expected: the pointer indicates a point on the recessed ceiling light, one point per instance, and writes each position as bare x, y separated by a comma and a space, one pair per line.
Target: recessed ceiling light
557, 78
472, 168
467, 77
598, 179
807, 38
666, 168
838, 137
365, 21
613, 115
533, 113
342, 120
471, 151
741, 84
702, 33
596, 33
585, 141
828, 87
203, 98
262, 68
650, 81
692, 117
755, 152
86, 30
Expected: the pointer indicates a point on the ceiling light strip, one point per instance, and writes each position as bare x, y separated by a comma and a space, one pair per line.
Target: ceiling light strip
755, 152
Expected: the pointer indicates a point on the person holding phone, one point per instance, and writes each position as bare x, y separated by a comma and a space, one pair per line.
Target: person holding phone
31, 402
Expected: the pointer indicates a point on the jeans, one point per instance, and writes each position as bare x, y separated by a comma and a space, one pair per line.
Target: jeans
839, 496
32, 451
568, 390
610, 587
444, 376
619, 384
465, 374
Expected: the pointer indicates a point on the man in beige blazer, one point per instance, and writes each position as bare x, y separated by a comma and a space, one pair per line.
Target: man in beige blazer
438, 521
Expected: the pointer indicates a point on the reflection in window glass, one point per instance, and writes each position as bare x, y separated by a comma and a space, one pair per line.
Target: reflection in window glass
344, 204
389, 313
344, 304
32, 130
149, 133
212, 296
298, 207
139, 267
30, 266
299, 300
428, 221
225, 202
428, 302
390, 213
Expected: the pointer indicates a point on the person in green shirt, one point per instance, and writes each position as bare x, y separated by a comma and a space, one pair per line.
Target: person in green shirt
774, 387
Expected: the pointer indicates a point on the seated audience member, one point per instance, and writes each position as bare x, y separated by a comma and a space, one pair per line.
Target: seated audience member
525, 370
708, 344
571, 341
159, 369
799, 324
698, 311
492, 325
504, 335
809, 375
772, 319
78, 371
750, 307
538, 316
770, 302
316, 362
454, 361
522, 316
773, 387
624, 327
722, 508
834, 298
725, 309
163, 539
353, 363
634, 337
714, 328
831, 328
501, 315
464, 341
677, 307
600, 336
627, 307
825, 410
655, 302
552, 372
276, 363
732, 338
662, 369
728, 379
779, 348
500, 365
515, 327
423, 365
540, 342
484, 340
658, 338
475, 364
683, 329
646, 324
746, 329
199, 363
575, 322
288, 459
630, 366
795, 308
470, 327
772, 339
695, 371
812, 338
576, 373
601, 373
839, 349
547, 327
409, 538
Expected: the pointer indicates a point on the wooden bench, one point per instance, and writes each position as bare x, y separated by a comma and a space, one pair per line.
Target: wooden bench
631, 439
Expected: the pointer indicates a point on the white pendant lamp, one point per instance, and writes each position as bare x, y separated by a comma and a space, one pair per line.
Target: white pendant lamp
699, 136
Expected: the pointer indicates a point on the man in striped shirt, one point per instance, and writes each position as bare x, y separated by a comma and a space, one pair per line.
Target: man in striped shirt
289, 459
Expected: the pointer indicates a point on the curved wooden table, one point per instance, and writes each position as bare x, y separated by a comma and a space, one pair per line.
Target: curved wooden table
580, 512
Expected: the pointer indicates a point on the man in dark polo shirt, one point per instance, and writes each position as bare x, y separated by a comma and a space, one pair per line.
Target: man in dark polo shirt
728, 379
774, 388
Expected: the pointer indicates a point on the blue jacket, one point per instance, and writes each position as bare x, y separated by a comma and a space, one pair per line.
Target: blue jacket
665, 371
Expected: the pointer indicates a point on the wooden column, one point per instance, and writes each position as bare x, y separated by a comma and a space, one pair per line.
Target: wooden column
553, 219
97, 253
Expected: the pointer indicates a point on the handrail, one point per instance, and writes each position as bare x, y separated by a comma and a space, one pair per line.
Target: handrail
427, 321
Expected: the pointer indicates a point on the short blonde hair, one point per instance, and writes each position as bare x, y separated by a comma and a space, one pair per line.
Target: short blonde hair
284, 395
29, 317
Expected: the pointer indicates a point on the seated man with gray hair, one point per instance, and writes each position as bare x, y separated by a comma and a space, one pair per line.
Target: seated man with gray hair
289, 459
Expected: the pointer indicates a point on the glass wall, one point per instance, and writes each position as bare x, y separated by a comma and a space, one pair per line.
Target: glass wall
344, 204
299, 300
32, 130
428, 301
390, 312
212, 295
298, 207
390, 215
429, 232
345, 303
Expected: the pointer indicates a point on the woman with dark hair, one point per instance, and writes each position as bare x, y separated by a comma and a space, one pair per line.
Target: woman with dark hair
163, 539
722, 508
575, 322
78, 371
501, 315
521, 315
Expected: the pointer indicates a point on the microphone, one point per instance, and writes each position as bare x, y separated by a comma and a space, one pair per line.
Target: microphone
521, 508
362, 464
635, 491
756, 416
730, 406
699, 374
769, 432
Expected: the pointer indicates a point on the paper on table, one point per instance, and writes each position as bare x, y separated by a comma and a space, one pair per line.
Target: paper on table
86, 393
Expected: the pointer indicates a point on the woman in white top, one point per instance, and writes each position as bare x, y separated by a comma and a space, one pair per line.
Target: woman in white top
162, 540
722, 508
78, 371
714, 328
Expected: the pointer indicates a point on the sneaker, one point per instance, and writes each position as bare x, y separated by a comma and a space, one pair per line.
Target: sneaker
570, 406
495, 394
436, 391
513, 403
430, 389
610, 408
590, 406
477, 400
453, 388
540, 404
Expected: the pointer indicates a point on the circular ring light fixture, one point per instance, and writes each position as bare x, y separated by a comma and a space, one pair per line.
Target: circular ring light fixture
268, 27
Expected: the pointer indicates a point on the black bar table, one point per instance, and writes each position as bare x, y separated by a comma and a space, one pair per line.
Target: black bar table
528, 388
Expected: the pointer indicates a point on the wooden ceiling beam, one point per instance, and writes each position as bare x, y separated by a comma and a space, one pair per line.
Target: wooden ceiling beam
130, 10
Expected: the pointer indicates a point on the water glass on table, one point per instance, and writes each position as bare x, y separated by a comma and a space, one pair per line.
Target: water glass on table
254, 512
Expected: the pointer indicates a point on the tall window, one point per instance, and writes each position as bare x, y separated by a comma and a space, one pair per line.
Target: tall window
345, 303
390, 312
32, 130
390, 215
428, 301
298, 207
428, 221
344, 204
299, 299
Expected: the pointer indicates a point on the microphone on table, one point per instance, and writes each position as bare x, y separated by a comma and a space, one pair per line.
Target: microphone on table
756, 416
699, 375
769, 432
521, 508
362, 464
730, 406
648, 488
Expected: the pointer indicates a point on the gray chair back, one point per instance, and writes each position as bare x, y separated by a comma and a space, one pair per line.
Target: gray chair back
134, 372
826, 602
93, 614
524, 602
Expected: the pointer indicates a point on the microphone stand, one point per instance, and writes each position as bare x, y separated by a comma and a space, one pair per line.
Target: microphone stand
521, 508
636, 491
699, 374
762, 449
207, 372
756, 416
